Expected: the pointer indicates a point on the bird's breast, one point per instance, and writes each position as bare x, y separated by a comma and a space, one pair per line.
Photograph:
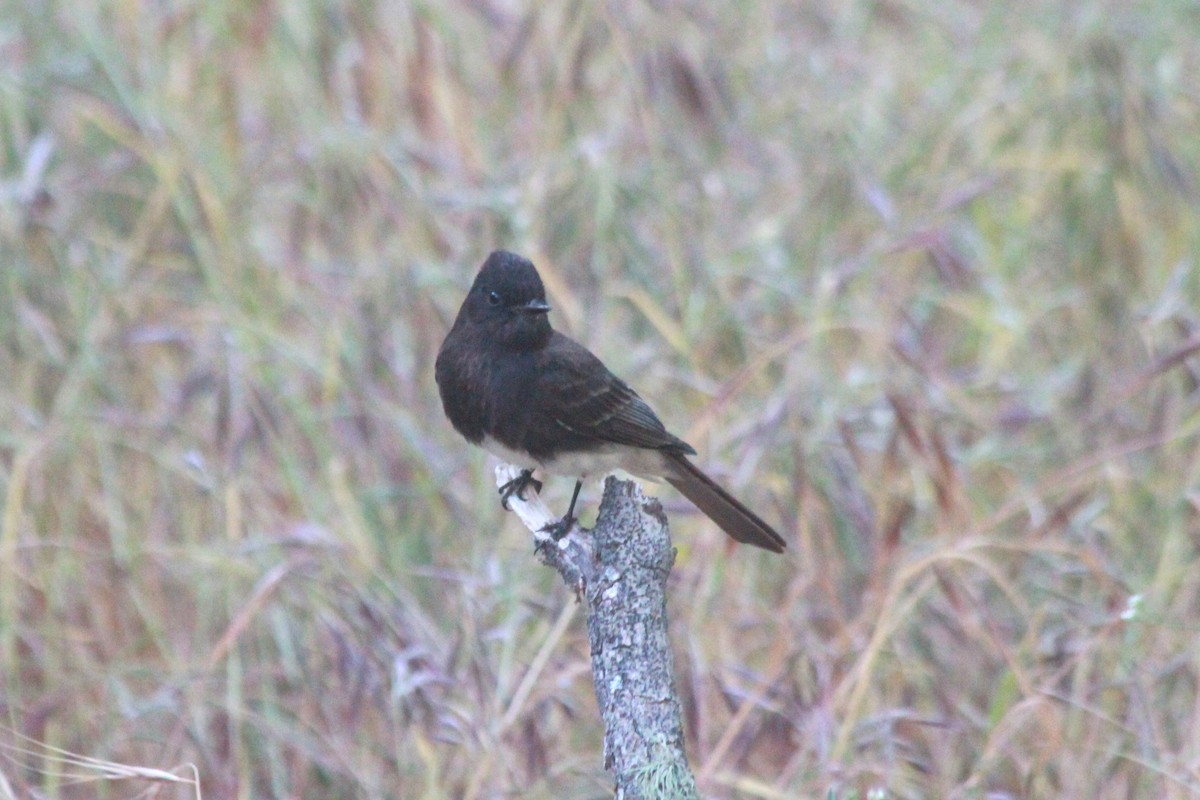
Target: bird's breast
508, 454
593, 462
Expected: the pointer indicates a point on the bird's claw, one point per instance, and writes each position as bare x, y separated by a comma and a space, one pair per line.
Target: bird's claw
559, 529
517, 486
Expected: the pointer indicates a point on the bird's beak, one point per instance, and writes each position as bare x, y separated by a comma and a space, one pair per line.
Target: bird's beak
534, 307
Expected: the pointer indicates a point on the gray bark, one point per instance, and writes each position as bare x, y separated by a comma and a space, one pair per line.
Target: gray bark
621, 569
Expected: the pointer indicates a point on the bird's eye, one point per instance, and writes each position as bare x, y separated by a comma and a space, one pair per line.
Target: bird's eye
493, 298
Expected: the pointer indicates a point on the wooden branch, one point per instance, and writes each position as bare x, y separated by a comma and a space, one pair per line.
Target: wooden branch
621, 568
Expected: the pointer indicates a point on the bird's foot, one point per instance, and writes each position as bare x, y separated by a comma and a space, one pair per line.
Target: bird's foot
559, 529
517, 486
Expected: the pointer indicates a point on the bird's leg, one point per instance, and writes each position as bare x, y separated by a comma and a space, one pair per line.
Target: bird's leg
517, 486
560, 529
574, 497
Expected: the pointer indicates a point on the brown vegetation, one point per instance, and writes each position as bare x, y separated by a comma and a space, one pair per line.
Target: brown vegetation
919, 281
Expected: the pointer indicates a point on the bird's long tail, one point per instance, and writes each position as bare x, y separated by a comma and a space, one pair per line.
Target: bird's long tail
720, 506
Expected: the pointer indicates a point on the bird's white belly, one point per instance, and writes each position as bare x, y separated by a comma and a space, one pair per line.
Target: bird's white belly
634, 460
523, 460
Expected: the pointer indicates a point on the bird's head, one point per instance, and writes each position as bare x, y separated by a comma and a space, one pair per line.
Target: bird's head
508, 302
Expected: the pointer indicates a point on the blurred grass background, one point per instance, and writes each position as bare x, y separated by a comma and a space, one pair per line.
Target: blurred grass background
920, 282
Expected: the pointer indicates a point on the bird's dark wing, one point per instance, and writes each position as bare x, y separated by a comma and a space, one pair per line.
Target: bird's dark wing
579, 397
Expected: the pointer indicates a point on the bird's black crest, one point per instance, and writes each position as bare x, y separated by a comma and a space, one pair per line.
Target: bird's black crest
514, 277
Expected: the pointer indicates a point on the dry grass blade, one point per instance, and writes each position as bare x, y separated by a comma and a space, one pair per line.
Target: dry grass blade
80, 769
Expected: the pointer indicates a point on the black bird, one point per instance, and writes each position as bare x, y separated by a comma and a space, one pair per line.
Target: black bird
540, 400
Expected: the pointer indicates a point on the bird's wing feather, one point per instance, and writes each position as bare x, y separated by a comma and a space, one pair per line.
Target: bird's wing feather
580, 395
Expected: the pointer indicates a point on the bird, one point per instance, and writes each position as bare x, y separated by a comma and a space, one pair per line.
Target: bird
539, 400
